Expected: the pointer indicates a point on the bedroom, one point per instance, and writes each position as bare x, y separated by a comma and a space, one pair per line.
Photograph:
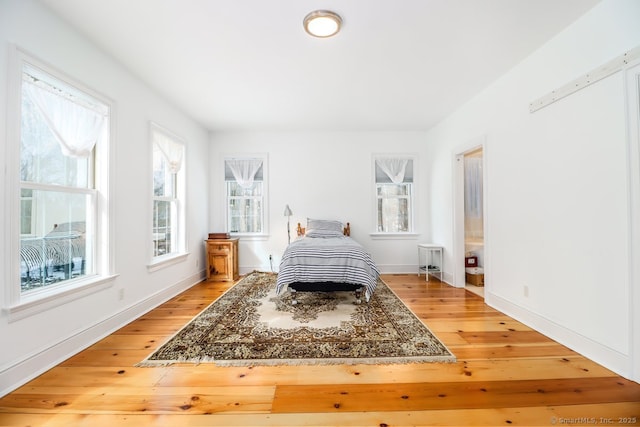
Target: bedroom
537, 237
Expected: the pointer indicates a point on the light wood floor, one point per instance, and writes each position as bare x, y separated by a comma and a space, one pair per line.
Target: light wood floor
506, 374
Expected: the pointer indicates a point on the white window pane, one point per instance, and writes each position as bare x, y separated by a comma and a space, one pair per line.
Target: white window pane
59, 247
245, 207
235, 190
245, 215
394, 207
26, 213
164, 213
393, 215
164, 181
389, 190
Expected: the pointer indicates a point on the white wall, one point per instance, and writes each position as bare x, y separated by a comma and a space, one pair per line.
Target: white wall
33, 344
558, 190
326, 175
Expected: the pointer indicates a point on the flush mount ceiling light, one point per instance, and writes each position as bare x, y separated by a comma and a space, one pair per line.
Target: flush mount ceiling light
322, 23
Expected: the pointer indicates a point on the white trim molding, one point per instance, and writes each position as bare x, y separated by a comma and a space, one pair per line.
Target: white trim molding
593, 350
632, 94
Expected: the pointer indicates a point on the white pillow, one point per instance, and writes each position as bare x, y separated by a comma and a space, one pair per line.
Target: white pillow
323, 224
323, 233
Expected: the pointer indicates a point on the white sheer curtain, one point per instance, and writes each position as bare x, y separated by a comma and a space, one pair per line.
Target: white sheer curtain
76, 127
473, 197
171, 150
473, 186
394, 168
244, 170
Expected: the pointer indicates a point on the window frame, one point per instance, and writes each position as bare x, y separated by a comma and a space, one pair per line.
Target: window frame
18, 304
265, 195
412, 198
32, 202
179, 234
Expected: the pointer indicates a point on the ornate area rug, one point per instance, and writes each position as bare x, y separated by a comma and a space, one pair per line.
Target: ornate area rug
250, 325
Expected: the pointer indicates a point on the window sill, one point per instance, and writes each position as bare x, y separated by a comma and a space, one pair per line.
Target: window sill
256, 237
48, 299
164, 261
394, 236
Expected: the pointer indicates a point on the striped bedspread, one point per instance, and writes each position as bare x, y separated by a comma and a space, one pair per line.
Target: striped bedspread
329, 259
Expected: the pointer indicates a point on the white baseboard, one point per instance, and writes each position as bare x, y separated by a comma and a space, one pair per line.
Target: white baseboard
398, 269
605, 356
244, 270
44, 359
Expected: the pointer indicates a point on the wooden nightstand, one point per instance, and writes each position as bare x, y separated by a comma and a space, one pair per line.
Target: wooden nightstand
222, 259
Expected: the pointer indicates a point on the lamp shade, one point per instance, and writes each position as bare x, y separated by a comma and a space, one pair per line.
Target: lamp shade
287, 211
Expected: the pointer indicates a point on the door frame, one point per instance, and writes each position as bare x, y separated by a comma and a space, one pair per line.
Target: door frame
632, 94
458, 268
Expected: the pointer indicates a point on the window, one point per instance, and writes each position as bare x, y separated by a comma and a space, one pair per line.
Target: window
394, 194
245, 188
64, 133
168, 183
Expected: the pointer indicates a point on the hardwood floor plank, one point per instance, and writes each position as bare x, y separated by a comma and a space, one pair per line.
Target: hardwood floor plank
178, 400
106, 358
532, 416
437, 396
129, 342
504, 337
164, 327
430, 314
100, 376
506, 351
474, 325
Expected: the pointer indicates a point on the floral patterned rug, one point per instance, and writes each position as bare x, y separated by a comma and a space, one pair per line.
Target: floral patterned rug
250, 325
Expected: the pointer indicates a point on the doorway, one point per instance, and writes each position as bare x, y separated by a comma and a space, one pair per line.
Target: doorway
469, 217
474, 221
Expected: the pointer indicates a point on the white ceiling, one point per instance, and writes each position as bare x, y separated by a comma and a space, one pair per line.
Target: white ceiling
249, 65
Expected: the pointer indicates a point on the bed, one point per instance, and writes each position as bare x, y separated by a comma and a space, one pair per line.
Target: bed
325, 258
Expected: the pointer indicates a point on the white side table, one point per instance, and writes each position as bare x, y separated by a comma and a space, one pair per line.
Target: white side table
432, 256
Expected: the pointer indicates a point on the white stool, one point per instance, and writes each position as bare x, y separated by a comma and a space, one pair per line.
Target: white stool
430, 252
